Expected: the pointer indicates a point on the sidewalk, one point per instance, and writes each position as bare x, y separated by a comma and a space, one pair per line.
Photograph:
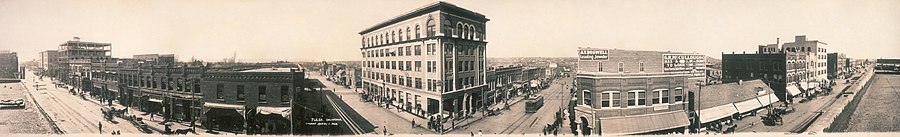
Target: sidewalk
802, 113
155, 123
831, 113
395, 122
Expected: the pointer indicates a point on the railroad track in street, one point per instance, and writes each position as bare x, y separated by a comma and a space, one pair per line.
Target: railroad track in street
343, 115
519, 124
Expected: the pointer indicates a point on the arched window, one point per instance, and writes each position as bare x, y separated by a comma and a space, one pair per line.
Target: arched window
471, 32
465, 32
407, 33
400, 34
458, 30
474, 32
418, 31
393, 37
429, 27
446, 27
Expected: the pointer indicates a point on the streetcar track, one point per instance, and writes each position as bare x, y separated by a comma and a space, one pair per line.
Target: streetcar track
519, 123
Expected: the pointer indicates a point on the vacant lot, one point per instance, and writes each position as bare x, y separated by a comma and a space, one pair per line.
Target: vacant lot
879, 109
21, 121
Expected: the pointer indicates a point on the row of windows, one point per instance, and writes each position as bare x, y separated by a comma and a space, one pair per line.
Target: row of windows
805, 49
462, 30
398, 65
634, 98
397, 79
465, 82
465, 66
261, 91
164, 83
621, 67
396, 35
399, 51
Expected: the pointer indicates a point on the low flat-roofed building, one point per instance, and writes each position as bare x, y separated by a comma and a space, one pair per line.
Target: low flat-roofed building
728, 101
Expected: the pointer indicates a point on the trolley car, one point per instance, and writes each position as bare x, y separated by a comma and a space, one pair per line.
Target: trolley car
533, 103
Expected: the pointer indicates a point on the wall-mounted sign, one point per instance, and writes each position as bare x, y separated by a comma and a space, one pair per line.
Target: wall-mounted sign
593, 54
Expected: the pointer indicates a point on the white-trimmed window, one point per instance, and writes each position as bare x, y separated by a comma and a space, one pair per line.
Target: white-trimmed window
600, 66
621, 67
642, 66
610, 99
678, 94
637, 98
661, 96
587, 97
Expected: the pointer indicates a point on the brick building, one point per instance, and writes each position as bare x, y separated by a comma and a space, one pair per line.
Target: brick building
261, 96
48, 62
76, 58
791, 70
501, 83
632, 92
428, 61
9, 64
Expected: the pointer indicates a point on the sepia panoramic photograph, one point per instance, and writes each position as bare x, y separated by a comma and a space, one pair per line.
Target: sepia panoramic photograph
449, 68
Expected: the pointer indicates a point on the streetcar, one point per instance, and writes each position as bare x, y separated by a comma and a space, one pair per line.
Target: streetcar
533, 103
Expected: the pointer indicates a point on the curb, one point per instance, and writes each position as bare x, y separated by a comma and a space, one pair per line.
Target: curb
56, 129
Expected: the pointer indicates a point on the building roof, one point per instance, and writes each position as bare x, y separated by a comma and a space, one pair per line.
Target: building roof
440, 5
269, 70
728, 93
88, 43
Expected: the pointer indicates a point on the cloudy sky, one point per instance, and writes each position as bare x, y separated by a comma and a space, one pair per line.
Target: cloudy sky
327, 30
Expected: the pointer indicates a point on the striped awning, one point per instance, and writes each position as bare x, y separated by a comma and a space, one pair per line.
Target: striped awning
747, 105
222, 106
767, 99
793, 91
283, 111
155, 100
715, 113
643, 123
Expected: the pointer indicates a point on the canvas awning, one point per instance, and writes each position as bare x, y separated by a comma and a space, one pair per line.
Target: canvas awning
793, 91
155, 100
804, 85
715, 113
222, 106
747, 105
283, 111
643, 123
767, 99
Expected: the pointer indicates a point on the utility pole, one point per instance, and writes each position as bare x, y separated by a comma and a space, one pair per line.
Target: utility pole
293, 89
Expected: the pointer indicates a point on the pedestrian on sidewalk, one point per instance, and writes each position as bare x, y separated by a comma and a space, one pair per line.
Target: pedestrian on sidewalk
385, 131
414, 123
100, 126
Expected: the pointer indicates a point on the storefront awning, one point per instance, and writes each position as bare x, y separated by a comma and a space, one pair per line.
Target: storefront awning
793, 91
222, 106
715, 113
804, 85
767, 99
643, 123
747, 105
813, 84
283, 111
155, 100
